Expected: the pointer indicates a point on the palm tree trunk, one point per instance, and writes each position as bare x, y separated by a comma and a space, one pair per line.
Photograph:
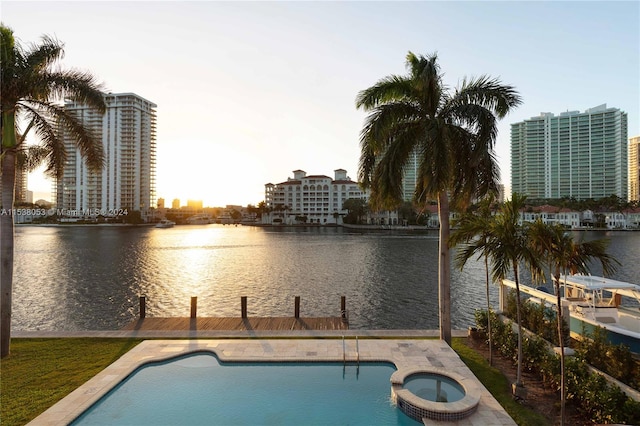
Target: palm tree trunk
519, 374
561, 343
6, 248
444, 269
486, 269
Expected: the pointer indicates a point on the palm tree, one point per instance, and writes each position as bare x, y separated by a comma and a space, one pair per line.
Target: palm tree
31, 90
563, 255
473, 229
452, 136
507, 246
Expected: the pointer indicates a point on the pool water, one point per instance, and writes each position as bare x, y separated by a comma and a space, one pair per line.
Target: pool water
434, 387
199, 390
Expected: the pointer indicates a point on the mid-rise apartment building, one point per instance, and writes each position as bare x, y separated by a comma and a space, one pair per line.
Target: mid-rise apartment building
128, 179
579, 155
319, 198
634, 168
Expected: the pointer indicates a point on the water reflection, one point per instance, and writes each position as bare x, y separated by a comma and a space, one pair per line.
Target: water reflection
75, 278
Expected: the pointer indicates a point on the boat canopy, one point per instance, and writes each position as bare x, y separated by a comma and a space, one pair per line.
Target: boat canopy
590, 282
597, 285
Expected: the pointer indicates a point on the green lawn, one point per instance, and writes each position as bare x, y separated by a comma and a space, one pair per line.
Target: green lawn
40, 372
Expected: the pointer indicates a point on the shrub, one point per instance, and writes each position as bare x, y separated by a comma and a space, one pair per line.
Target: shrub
534, 351
549, 370
537, 318
615, 360
589, 392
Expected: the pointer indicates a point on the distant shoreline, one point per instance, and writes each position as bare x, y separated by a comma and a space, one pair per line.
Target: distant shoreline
268, 225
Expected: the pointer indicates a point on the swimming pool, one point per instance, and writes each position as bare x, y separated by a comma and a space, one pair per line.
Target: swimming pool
199, 389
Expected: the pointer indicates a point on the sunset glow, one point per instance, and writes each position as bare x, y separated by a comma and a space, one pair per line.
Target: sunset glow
247, 92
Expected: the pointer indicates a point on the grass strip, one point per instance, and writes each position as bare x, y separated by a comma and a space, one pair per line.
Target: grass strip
40, 372
497, 384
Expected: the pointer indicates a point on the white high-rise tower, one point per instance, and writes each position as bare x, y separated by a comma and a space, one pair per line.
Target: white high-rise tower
128, 180
579, 155
634, 168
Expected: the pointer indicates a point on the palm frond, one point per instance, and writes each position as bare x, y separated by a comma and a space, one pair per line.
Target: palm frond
478, 120
596, 250
427, 81
436, 170
390, 165
49, 138
467, 251
477, 175
383, 121
376, 136
86, 141
490, 93
366, 165
31, 157
389, 89
43, 55
77, 85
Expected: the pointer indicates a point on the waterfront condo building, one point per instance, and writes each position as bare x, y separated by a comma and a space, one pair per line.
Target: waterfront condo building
128, 179
318, 198
574, 154
634, 168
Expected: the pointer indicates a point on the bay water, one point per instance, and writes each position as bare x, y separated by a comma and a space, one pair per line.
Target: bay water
70, 278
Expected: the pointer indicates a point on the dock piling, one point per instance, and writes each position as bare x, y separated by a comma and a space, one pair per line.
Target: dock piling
243, 306
143, 307
296, 310
194, 306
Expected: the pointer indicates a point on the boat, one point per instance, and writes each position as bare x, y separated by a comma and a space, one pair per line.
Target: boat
200, 219
592, 302
165, 223
602, 302
225, 218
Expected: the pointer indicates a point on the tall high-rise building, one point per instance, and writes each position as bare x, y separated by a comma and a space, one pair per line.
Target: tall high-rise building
634, 168
410, 178
128, 179
574, 154
21, 191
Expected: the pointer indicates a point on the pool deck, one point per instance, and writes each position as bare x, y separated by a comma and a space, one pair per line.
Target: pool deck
407, 352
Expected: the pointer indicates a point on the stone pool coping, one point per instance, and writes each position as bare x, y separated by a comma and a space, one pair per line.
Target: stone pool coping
405, 354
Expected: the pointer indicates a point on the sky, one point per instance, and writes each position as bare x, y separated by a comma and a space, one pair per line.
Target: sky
247, 92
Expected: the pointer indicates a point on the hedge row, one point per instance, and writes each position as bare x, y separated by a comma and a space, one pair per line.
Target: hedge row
588, 392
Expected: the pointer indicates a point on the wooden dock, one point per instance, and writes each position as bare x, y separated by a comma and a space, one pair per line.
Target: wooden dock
238, 324
242, 323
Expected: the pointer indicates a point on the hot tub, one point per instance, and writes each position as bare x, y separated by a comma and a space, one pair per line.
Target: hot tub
434, 394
